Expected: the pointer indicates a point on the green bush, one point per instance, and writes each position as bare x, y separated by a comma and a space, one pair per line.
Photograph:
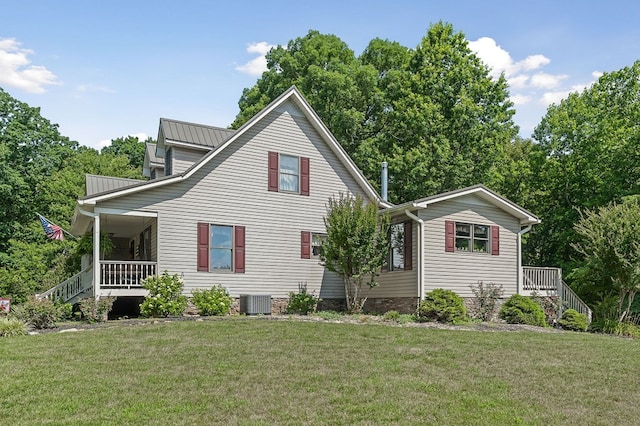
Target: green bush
10, 327
39, 313
485, 300
165, 296
391, 316
302, 303
573, 320
95, 311
64, 311
442, 306
522, 310
212, 302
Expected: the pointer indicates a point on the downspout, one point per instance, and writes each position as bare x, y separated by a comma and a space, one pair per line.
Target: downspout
96, 250
420, 253
520, 234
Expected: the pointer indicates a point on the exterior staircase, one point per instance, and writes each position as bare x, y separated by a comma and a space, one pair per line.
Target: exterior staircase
72, 289
546, 281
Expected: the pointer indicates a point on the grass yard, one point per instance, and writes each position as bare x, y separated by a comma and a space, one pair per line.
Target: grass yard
261, 371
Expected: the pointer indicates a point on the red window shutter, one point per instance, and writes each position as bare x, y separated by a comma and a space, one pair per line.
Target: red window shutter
203, 246
238, 250
449, 235
273, 171
408, 246
305, 245
304, 176
495, 240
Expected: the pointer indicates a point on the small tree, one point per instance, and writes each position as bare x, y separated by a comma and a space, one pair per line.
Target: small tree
609, 241
356, 246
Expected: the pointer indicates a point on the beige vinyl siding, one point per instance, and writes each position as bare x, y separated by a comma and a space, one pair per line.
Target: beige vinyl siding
400, 283
458, 270
231, 189
183, 158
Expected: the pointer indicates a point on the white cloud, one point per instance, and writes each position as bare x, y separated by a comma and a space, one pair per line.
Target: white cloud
500, 61
16, 71
257, 65
549, 98
597, 74
533, 62
518, 82
520, 99
543, 80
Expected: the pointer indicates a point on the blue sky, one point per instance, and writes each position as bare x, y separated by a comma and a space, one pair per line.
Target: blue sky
105, 69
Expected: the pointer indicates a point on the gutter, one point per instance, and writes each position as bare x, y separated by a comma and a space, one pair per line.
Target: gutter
420, 256
520, 234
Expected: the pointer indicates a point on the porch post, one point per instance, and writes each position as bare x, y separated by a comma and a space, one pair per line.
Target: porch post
96, 256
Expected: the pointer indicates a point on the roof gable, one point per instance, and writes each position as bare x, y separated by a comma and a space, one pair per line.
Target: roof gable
479, 191
301, 107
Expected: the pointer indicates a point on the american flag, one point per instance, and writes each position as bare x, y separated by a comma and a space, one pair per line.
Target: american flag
52, 230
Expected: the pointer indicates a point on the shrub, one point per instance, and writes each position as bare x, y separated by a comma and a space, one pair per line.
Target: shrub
39, 313
93, 310
10, 327
302, 303
64, 311
485, 300
442, 306
573, 320
212, 302
522, 310
391, 316
165, 296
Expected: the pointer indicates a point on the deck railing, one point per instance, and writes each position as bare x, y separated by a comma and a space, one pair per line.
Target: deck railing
548, 282
540, 279
71, 287
125, 274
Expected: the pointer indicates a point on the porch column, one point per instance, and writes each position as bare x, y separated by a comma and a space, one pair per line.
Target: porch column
96, 256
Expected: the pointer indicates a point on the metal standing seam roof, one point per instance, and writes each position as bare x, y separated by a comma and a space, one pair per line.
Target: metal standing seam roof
197, 134
151, 154
96, 184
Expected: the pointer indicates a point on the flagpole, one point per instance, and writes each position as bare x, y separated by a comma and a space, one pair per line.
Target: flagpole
63, 230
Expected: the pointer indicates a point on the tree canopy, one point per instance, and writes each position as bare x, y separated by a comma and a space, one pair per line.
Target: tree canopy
587, 156
433, 113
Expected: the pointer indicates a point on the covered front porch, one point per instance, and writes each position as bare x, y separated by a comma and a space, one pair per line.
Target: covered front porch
126, 246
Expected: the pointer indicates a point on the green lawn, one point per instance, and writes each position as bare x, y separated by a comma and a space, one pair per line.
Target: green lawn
260, 371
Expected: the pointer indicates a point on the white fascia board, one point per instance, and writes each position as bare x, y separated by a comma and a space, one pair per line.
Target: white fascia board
493, 199
120, 212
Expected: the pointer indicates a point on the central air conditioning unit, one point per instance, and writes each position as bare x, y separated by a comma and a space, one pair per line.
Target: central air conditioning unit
252, 304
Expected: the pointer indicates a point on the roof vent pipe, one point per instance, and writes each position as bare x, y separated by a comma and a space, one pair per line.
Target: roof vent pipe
385, 178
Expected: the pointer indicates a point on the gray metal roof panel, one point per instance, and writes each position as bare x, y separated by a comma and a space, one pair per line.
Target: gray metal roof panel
197, 134
97, 184
151, 154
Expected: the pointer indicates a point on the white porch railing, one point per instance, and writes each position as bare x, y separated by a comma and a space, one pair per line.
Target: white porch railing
547, 281
71, 287
541, 279
125, 274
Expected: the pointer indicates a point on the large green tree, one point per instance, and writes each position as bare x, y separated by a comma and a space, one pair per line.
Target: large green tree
131, 147
433, 113
588, 158
31, 149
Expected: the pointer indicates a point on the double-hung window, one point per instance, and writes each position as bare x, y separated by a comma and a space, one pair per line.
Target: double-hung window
400, 247
221, 248
288, 173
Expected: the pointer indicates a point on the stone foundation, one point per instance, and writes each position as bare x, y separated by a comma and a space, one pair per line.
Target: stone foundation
404, 305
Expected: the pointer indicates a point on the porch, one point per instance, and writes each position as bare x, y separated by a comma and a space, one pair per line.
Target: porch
117, 278
548, 282
125, 244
